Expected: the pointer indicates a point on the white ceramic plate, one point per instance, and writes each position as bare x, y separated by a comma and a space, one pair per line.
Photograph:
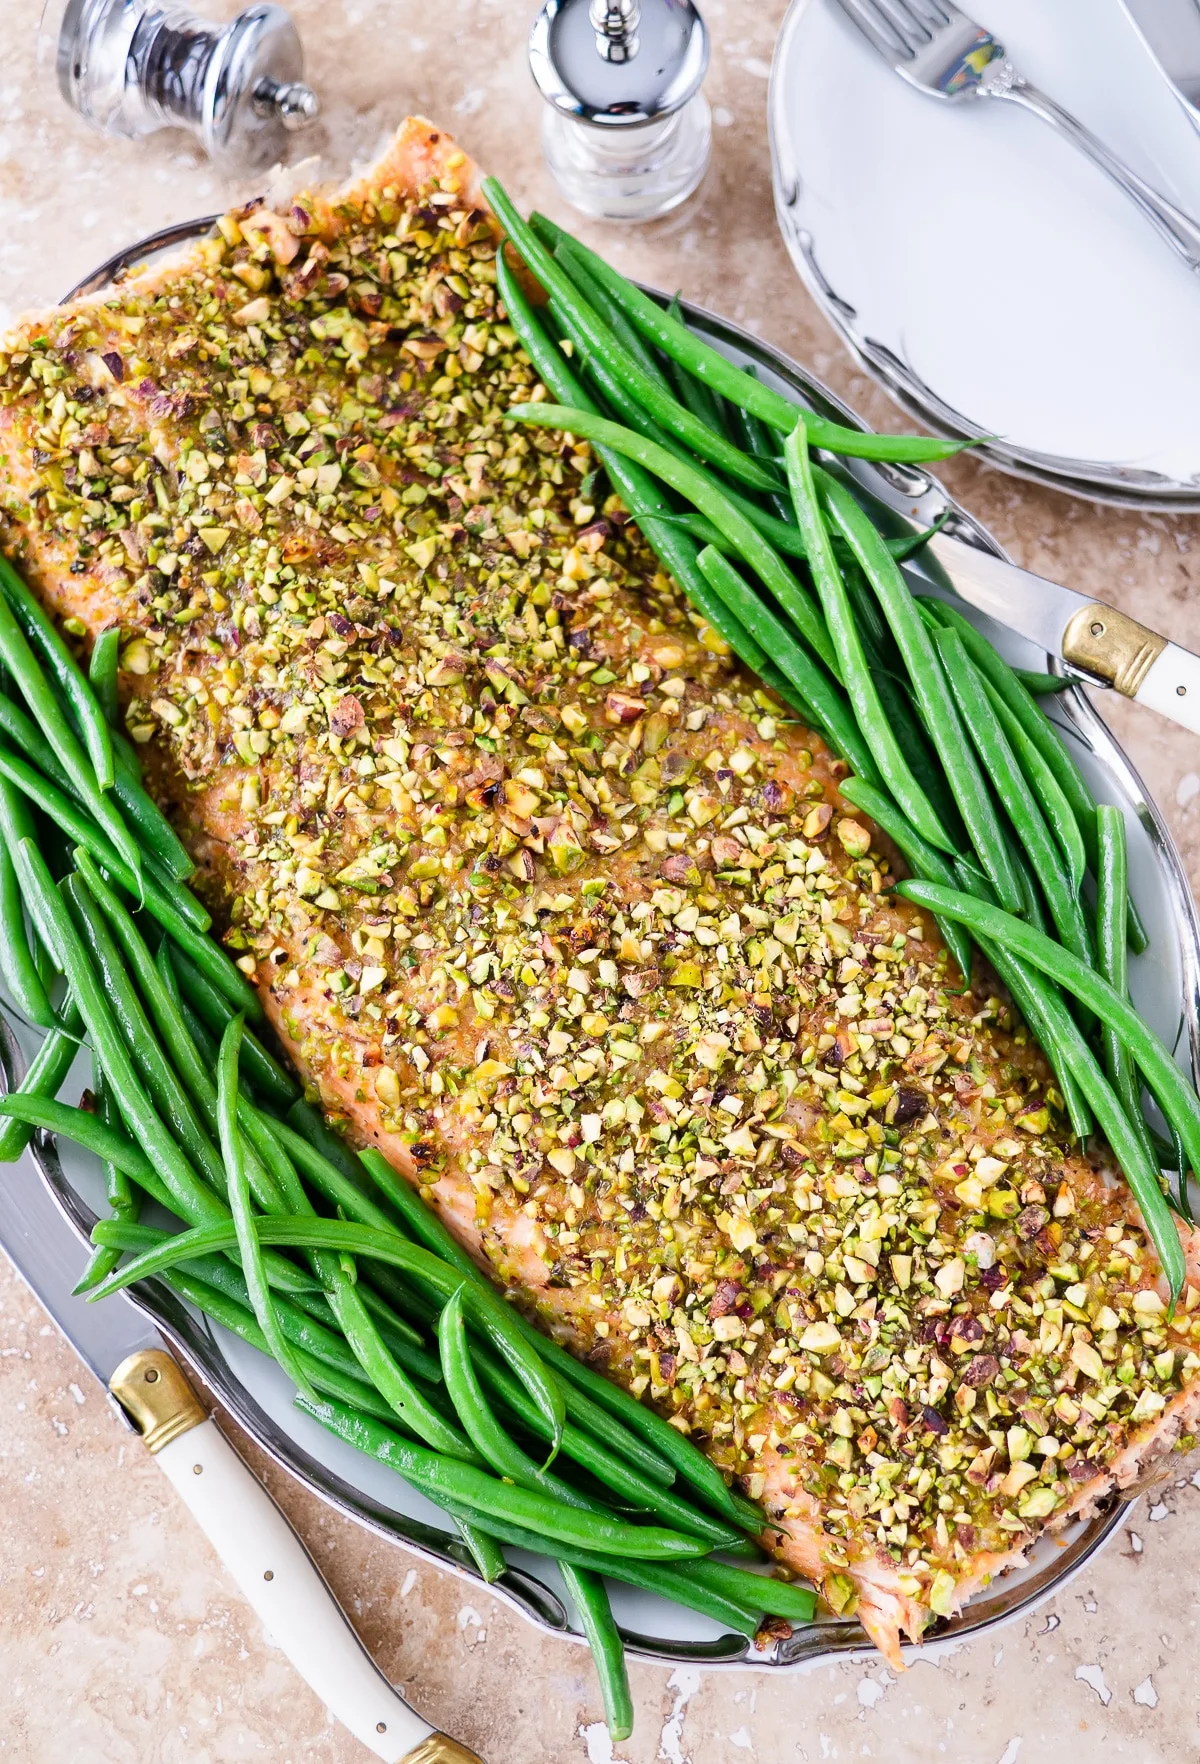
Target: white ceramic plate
984, 270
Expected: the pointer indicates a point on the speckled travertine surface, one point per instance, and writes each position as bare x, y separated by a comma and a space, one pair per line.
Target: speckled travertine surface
121, 1640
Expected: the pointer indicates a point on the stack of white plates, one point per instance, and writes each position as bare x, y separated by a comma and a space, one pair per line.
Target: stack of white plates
981, 267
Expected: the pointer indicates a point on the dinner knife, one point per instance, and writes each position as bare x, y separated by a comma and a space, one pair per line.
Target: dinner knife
275, 1573
1100, 645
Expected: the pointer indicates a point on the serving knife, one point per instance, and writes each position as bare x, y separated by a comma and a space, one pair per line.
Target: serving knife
273, 1570
1099, 644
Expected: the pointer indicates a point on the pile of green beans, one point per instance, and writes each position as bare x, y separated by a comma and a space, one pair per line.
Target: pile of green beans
949, 750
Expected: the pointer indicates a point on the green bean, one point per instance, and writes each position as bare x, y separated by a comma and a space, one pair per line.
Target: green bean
488, 1309
250, 1247
169, 1094
157, 990
452, 1479
485, 1551
25, 736
149, 825
395, 1331
603, 1432
911, 543
213, 1006
46, 1075
161, 892
783, 535
707, 496
671, 1580
109, 1144
607, 1466
385, 1372
40, 631
702, 401
1042, 685
604, 348
587, 1593
892, 687
493, 1446
1027, 989
102, 672
18, 961
192, 1065
191, 1198
930, 688
834, 718
309, 1124
876, 637
1028, 993
348, 1197
146, 820
619, 404
1031, 895
680, 1453
780, 1597
324, 1175
241, 1321
175, 909
1059, 814
924, 859
284, 1276
835, 604
123, 1200
305, 1332
1012, 787
761, 443
571, 258
636, 488
1112, 950
914, 744
1036, 725
348, 1301
1175, 1096
716, 370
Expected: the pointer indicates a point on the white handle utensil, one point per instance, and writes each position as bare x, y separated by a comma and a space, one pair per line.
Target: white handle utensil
273, 1570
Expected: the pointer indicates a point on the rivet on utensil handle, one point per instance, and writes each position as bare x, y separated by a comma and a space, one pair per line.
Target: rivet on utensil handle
153, 1391
1108, 643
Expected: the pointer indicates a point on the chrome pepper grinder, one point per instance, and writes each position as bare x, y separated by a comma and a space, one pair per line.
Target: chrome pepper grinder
626, 130
132, 67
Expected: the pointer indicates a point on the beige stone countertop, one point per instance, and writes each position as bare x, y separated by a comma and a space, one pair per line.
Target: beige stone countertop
121, 1639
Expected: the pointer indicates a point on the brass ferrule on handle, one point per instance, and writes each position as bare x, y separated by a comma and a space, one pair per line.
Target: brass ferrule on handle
1111, 645
153, 1391
439, 1748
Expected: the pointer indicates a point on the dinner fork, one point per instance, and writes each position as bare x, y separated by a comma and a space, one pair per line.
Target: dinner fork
945, 54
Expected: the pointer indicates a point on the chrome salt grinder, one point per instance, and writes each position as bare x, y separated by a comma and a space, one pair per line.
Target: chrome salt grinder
132, 67
626, 130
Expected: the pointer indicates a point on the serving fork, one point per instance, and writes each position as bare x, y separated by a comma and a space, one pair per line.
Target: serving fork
945, 54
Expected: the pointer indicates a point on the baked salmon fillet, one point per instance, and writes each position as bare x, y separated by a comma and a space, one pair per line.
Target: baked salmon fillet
547, 898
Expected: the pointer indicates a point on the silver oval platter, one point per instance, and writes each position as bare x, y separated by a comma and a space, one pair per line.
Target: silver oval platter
1166, 988
985, 272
